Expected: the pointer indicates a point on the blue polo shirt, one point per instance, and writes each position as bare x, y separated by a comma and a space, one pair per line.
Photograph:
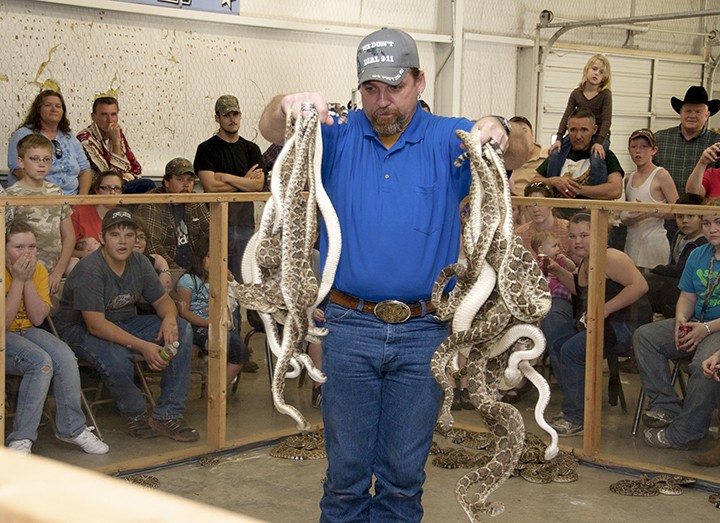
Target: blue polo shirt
398, 208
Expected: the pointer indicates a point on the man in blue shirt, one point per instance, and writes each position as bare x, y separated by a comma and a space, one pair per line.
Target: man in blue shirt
389, 173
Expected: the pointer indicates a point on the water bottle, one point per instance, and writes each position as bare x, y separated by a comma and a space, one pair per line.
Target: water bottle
169, 350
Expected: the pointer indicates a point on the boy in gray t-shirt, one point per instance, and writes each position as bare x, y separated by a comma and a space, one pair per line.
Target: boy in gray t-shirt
98, 320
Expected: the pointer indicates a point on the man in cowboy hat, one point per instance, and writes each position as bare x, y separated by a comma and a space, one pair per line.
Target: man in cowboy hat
680, 147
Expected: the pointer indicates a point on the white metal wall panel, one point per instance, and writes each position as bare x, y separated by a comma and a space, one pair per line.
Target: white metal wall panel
488, 79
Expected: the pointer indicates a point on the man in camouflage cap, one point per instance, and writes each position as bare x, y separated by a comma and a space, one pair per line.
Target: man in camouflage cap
173, 229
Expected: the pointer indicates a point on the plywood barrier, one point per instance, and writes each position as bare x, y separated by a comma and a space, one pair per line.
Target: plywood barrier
40, 490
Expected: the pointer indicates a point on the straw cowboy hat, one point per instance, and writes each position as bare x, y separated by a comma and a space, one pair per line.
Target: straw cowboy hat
696, 95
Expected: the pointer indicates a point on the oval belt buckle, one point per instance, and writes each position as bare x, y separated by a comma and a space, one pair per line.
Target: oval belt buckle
392, 311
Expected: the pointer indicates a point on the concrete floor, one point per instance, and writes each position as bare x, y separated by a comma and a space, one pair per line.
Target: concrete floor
248, 481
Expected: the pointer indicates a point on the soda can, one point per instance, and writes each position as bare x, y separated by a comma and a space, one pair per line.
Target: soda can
543, 261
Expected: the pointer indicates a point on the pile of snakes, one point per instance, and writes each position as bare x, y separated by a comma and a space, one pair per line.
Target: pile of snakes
499, 296
466, 449
278, 280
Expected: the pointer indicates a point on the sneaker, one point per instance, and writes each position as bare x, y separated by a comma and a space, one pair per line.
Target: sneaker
656, 438
557, 417
250, 366
22, 446
656, 419
174, 429
88, 441
465, 400
139, 428
565, 428
317, 397
456, 402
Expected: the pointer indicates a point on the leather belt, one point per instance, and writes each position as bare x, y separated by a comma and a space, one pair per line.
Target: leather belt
389, 311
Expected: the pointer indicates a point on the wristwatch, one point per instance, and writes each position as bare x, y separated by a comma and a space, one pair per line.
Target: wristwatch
503, 122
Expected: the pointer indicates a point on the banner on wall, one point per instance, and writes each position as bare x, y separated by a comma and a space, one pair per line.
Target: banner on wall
214, 6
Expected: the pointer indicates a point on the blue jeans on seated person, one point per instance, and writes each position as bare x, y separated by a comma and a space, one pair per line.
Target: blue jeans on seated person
654, 346
567, 357
380, 405
39, 357
115, 365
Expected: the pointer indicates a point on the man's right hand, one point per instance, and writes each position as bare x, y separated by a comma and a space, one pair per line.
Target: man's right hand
151, 353
293, 104
114, 133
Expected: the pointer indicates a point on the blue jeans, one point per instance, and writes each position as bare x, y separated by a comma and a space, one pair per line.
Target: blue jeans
561, 312
115, 365
567, 357
654, 346
39, 357
380, 405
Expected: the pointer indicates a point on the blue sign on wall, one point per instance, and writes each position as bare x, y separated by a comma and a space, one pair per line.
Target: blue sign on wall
214, 6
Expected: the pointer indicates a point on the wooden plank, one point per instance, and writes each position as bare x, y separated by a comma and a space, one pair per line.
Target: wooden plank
219, 321
39, 490
2, 323
595, 318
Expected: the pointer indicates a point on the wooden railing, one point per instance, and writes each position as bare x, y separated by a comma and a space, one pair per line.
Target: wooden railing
217, 394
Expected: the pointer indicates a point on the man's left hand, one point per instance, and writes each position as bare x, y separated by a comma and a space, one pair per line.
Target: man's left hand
168, 330
490, 128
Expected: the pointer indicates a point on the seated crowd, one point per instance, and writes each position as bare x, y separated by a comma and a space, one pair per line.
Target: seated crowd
112, 258
118, 291
661, 264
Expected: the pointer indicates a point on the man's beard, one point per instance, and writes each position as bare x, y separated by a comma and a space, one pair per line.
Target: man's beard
388, 127
227, 130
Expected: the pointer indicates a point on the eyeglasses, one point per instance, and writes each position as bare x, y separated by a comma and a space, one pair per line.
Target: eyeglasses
110, 188
40, 159
58, 149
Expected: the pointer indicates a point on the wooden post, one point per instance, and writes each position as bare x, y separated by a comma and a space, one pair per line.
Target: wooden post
595, 319
219, 321
3, 337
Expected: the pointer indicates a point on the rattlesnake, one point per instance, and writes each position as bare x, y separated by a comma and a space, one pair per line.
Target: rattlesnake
276, 265
715, 499
666, 484
499, 294
144, 480
208, 461
310, 445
